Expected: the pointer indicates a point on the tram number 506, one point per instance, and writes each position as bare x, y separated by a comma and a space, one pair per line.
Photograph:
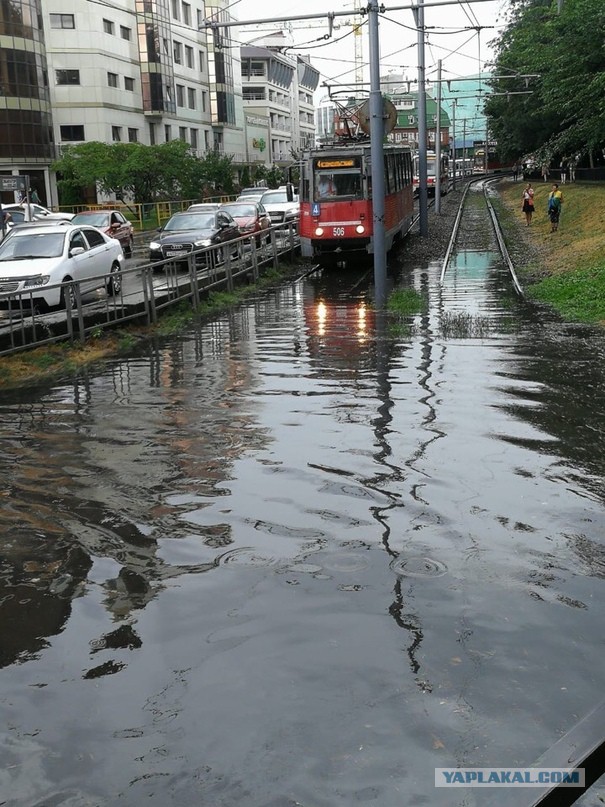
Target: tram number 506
338, 231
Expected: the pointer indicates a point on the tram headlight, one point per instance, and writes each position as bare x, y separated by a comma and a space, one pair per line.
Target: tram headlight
319, 231
360, 229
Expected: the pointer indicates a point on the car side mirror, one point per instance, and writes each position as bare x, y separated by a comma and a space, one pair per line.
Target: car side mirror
76, 251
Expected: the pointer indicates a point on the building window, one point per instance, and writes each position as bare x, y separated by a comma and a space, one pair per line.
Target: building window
167, 132
62, 21
183, 133
186, 13
125, 33
178, 52
188, 56
71, 133
200, 18
112, 79
67, 76
203, 101
108, 26
128, 83
206, 139
202, 61
193, 133
176, 9
191, 97
180, 95
116, 133
133, 135
151, 133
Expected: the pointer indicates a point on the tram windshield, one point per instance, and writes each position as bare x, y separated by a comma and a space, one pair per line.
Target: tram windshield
336, 184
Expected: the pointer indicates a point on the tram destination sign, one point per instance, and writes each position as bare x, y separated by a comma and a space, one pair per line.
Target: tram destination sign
15, 183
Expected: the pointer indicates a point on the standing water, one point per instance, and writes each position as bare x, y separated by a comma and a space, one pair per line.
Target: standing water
293, 558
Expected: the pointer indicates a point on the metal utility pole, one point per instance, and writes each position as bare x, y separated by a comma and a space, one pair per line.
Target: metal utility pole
438, 143
376, 107
423, 219
464, 147
454, 144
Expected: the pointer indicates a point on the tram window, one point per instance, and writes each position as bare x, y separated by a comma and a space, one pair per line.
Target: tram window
329, 185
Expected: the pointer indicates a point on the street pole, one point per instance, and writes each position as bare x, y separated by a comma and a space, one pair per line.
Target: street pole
454, 142
423, 217
464, 147
438, 143
376, 107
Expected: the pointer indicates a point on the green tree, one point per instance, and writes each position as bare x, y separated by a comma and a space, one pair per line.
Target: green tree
565, 112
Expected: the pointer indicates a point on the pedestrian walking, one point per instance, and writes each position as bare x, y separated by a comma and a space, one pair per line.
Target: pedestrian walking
515, 171
563, 168
528, 203
544, 172
573, 164
34, 198
555, 200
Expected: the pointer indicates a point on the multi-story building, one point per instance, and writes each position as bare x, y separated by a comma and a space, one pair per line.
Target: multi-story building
147, 71
26, 134
278, 94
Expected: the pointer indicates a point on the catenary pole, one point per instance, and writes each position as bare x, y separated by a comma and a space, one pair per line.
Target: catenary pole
376, 107
423, 217
438, 143
454, 144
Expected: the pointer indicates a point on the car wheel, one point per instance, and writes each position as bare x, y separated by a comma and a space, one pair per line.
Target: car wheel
67, 291
128, 248
114, 284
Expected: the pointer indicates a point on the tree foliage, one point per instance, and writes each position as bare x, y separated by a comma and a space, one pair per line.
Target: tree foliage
140, 173
565, 112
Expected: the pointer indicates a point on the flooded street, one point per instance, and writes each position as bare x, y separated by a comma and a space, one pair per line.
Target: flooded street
302, 557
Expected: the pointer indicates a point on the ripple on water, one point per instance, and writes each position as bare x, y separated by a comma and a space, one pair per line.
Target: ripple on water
247, 557
418, 567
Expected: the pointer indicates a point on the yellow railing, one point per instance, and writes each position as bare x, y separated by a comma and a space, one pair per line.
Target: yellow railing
148, 215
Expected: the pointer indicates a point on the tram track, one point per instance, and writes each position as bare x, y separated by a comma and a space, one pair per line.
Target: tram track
497, 231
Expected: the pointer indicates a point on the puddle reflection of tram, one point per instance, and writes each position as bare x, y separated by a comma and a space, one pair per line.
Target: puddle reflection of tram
340, 329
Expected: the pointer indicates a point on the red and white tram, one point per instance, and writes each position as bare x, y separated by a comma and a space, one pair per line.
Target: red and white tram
336, 215
431, 173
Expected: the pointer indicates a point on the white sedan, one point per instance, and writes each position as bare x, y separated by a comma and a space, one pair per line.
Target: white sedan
34, 259
20, 213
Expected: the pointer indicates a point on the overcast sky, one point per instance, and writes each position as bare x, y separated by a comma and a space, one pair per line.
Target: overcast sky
451, 36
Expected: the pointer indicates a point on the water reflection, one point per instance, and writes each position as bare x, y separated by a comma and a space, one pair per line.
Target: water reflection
291, 535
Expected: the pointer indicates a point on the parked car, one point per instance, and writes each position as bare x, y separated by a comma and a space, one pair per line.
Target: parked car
111, 222
280, 210
34, 258
20, 213
251, 197
251, 217
185, 232
203, 207
252, 191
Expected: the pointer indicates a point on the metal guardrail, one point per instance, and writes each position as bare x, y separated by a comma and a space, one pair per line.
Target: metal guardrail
582, 747
206, 270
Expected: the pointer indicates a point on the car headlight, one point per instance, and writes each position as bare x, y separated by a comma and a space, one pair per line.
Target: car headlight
155, 245
41, 280
204, 242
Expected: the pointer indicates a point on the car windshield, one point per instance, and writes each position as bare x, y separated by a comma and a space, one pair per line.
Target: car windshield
190, 221
241, 210
275, 198
32, 245
203, 206
94, 219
